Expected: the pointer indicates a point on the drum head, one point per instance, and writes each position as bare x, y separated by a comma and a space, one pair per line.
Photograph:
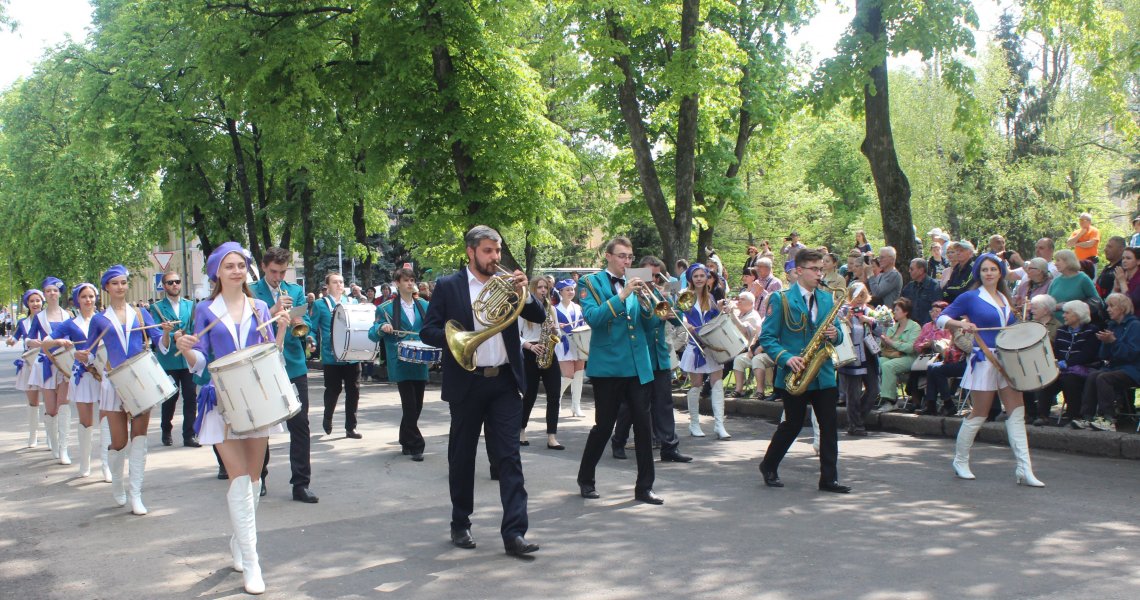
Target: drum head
717, 322
414, 344
237, 356
1021, 335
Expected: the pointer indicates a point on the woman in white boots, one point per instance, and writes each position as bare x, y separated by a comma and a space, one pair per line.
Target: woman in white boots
988, 305
113, 328
572, 366
52, 380
693, 361
232, 305
85, 387
33, 301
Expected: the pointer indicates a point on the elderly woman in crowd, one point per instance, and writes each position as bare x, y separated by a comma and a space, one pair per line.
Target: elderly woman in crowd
1072, 284
1037, 281
1041, 310
860, 379
926, 344
1127, 279
898, 353
1120, 349
1077, 351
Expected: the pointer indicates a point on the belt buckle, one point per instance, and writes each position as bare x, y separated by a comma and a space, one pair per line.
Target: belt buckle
490, 371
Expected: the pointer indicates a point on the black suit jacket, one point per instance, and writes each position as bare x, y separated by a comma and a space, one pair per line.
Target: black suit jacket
451, 300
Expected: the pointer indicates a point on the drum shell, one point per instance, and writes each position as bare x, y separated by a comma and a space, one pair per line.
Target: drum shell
141, 383
253, 388
1026, 354
580, 339
63, 359
417, 352
349, 333
721, 340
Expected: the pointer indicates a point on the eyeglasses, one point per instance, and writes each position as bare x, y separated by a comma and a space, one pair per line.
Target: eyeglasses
172, 282
816, 269
629, 257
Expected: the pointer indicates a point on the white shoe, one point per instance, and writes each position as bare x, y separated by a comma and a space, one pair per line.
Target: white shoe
33, 426
966, 434
1019, 443
84, 451
885, 407
63, 432
116, 458
1102, 424
137, 471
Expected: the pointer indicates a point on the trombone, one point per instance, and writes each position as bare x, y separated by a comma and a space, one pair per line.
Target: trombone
664, 310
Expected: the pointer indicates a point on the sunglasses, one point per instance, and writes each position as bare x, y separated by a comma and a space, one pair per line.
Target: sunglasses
172, 282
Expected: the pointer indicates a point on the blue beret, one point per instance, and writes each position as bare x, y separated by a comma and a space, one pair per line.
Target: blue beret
113, 272
79, 288
29, 294
219, 253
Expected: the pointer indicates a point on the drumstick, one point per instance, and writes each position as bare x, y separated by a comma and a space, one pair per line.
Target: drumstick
152, 326
991, 357
204, 331
994, 328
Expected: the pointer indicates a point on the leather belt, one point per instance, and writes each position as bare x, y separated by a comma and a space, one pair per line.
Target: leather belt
490, 371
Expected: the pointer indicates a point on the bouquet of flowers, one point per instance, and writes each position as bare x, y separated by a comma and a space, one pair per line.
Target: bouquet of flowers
883, 315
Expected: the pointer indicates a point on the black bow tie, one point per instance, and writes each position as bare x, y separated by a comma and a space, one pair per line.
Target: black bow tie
614, 280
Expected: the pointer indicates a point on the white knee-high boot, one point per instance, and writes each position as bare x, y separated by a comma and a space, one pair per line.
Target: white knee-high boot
137, 471
63, 427
716, 398
84, 450
966, 434
33, 426
564, 385
104, 444
52, 431
1019, 443
576, 393
118, 490
694, 399
242, 502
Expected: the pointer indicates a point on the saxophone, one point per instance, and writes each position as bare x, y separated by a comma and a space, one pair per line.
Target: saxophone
815, 354
551, 336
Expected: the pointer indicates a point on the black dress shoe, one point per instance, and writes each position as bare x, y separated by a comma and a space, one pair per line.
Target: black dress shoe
167, 439
222, 473
519, 546
302, 494
191, 443
858, 433
771, 479
676, 457
264, 490
834, 488
648, 497
619, 453
461, 538
418, 457
327, 424
351, 433
588, 492
405, 451
524, 443
556, 446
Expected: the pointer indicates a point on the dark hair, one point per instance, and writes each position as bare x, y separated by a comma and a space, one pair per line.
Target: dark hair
905, 305
684, 264
653, 261
748, 271
620, 240
276, 255
1002, 286
478, 233
401, 273
1134, 250
803, 257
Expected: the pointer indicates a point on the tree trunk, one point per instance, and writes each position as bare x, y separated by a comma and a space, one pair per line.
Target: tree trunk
262, 189
878, 146
686, 158
244, 188
305, 212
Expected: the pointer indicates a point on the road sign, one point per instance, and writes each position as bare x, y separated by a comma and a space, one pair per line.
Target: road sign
163, 259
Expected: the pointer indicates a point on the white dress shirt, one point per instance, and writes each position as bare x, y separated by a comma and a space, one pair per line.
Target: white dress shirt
493, 351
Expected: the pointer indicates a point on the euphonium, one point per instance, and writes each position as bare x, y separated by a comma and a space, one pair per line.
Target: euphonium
492, 309
815, 354
551, 336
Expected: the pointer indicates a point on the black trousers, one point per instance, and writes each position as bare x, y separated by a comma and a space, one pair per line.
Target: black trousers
1101, 390
299, 437
609, 394
795, 407
660, 412
551, 378
185, 382
495, 402
411, 405
1072, 387
938, 383
346, 377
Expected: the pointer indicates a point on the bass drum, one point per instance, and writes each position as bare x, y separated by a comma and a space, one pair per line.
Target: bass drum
350, 325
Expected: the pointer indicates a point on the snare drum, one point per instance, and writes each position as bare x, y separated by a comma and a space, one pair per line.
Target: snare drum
63, 359
350, 325
721, 340
253, 388
580, 339
417, 352
1027, 356
141, 383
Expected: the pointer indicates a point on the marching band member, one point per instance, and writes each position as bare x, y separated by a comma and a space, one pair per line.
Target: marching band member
113, 327
572, 366
404, 314
988, 304
338, 375
620, 368
693, 361
490, 393
33, 300
173, 307
280, 295
50, 379
86, 388
534, 345
232, 305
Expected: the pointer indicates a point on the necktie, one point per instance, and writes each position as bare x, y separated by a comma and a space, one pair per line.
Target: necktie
811, 306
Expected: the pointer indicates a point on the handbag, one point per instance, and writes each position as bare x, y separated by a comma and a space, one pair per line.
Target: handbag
871, 343
845, 350
922, 362
889, 352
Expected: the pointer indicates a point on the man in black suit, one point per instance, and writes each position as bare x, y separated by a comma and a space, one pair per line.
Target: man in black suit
491, 393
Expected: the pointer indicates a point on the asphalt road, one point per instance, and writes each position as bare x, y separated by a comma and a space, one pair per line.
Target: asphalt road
910, 530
